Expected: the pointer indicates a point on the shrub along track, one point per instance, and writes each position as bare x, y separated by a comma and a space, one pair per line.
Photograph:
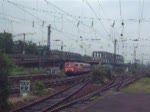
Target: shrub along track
47, 80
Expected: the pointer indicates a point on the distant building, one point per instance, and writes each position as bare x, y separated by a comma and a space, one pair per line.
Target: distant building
107, 57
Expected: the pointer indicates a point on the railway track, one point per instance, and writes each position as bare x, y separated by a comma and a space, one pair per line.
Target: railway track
52, 83
77, 103
53, 101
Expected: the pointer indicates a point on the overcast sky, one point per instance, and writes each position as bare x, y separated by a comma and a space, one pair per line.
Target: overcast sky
78, 23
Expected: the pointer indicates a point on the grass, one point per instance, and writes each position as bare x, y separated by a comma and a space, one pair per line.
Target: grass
14, 100
93, 98
37, 72
99, 84
141, 86
17, 71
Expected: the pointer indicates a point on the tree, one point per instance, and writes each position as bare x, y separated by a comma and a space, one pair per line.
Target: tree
5, 65
18, 47
8, 46
31, 48
6, 43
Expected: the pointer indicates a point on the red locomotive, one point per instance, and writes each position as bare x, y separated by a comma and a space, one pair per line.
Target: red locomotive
74, 68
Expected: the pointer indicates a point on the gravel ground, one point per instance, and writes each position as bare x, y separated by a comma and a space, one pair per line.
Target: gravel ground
120, 102
87, 90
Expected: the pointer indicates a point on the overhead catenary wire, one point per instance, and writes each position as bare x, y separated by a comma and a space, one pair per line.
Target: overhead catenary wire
22, 7
102, 9
112, 26
113, 31
36, 17
97, 17
91, 8
120, 10
66, 13
141, 8
79, 22
84, 17
68, 34
40, 19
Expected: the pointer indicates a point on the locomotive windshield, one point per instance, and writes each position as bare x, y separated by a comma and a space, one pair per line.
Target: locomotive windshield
69, 64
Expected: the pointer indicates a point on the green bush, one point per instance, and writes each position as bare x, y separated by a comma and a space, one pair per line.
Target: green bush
101, 74
119, 70
39, 88
37, 72
5, 67
16, 71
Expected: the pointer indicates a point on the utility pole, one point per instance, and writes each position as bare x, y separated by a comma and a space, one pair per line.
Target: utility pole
135, 54
142, 59
23, 51
48, 38
135, 60
61, 55
115, 45
62, 46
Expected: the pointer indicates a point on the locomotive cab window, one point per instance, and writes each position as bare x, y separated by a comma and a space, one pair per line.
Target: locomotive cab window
67, 64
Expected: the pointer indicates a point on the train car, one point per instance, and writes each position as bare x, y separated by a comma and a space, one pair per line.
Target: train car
76, 68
